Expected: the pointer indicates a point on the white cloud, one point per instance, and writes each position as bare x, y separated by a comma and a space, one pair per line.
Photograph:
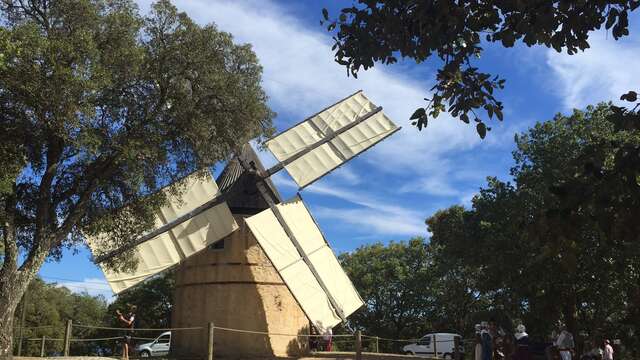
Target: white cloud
91, 286
434, 185
602, 73
347, 175
373, 221
375, 215
301, 77
466, 199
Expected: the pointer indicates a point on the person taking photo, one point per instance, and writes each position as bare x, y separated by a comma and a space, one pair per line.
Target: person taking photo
127, 322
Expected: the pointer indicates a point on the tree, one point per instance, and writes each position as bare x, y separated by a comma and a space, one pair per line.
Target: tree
48, 307
453, 32
588, 201
407, 293
394, 283
459, 304
100, 107
559, 243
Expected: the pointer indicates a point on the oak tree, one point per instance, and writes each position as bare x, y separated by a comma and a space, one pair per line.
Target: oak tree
560, 243
99, 108
393, 281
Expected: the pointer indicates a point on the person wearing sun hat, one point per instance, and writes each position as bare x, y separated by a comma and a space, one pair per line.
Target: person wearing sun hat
522, 344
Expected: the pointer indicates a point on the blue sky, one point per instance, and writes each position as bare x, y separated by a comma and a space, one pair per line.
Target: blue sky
388, 192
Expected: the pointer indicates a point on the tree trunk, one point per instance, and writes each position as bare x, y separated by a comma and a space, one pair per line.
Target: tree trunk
13, 284
9, 299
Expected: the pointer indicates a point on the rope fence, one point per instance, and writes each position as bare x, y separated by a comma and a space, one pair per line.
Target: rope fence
274, 334
137, 329
355, 342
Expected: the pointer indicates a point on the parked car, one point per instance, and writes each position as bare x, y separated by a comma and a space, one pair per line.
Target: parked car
158, 347
444, 345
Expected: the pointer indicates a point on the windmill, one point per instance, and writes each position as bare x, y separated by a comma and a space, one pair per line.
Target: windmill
247, 208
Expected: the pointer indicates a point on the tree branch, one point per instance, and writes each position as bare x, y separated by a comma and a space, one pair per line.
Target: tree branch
43, 211
104, 170
9, 234
31, 10
100, 169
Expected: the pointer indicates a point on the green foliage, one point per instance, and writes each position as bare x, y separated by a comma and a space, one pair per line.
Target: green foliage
154, 300
561, 242
455, 32
396, 307
50, 305
414, 287
11, 162
391, 280
101, 107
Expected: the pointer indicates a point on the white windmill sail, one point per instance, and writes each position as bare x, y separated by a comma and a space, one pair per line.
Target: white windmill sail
305, 262
185, 239
289, 147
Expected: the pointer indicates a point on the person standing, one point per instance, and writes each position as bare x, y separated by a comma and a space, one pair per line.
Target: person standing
522, 351
478, 348
487, 343
608, 351
327, 336
496, 340
314, 338
127, 322
565, 343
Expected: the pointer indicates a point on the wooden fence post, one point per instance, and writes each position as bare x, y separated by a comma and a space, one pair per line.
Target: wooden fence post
435, 346
456, 348
67, 337
210, 343
358, 345
44, 339
377, 349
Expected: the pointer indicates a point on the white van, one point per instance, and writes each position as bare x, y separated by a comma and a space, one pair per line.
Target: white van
444, 346
158, 347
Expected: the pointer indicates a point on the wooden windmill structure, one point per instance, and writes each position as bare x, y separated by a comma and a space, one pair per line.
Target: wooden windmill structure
245, 258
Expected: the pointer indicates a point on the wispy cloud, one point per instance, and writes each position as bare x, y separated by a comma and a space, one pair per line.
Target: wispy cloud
601, 73
91, 286
370, 220
434, 185
301, 77
374, 215
347, 175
